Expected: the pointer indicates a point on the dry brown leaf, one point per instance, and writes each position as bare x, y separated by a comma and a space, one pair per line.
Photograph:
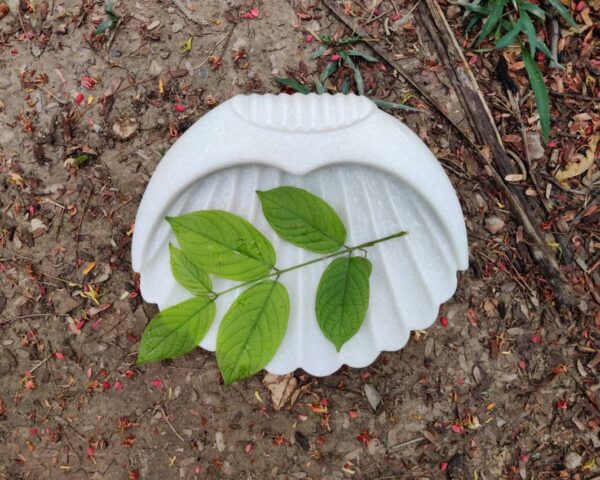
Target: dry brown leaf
281, 387
579, 163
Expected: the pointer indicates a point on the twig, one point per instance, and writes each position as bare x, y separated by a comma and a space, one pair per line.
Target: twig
554, 37
186, 12
162, 410
81, 219
406, 444
32, 315
574, 96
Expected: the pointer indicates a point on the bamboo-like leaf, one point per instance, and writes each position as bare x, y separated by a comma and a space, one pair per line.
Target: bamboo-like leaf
561, 9
360, 85
177, 330
318, 52
529, 29
303, 219
319, 87
533, 9
363, 55
330, 69
293, 84
492, 20
224, 244
189, 274
343, 298
541, 93
396, 106
511, 36
252, 330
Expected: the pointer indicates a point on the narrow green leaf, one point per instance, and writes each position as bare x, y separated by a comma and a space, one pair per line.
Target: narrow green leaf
533, 9
349, 40
540, 45
106, 24
363, 55
492, 20
529, 29
473, 7
345, 88
224, 244
396, 106
303, 219
177, 330
252, 330
319, 86
318, 52
330, 69
293, 84
472, 22
360, 84
343, 298
511, 36
561, 9
188, 274
541, 93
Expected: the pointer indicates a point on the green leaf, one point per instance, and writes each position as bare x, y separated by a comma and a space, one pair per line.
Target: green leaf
473, 7
472, 22
293, 84
560, 8
343, 298
188, 274
363, 55
533, 9
546, 51
539, 90
106, 24
252, 330
360, 85
397, 106
530, 32
224, 244
318, 52
511, 36
330, 69
345, 88
177, 330
319, 87
492, 20
303, 219
349, 40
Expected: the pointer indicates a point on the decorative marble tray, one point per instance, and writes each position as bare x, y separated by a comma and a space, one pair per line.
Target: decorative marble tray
375, 172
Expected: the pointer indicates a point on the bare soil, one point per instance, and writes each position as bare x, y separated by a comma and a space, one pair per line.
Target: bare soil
504, 385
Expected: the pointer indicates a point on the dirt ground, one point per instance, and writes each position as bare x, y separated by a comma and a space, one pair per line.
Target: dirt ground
504, 385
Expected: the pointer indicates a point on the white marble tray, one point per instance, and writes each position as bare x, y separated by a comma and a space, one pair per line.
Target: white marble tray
376, 173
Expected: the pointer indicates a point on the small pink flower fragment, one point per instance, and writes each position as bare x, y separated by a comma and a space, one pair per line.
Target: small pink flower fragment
157, 383
396, 16
79, 98
537, 339
180, 107
444, 321
335, 57
309, 38
302, 418
90, 451
118, 386
249, 448
252, 14
59, 355
580, 6
88, 82
552, 144
105, 385
365, 375
444, 466
197, 469
456, 428
522, 365
353, 414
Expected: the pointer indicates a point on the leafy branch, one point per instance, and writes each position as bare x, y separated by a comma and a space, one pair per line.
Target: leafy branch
223, 244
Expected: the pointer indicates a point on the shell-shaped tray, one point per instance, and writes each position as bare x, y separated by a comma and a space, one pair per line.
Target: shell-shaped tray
376, 173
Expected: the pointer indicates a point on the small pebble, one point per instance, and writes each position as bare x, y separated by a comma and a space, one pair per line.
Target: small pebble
572, 460
153, 25
494, 224
372, 396
176, 27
